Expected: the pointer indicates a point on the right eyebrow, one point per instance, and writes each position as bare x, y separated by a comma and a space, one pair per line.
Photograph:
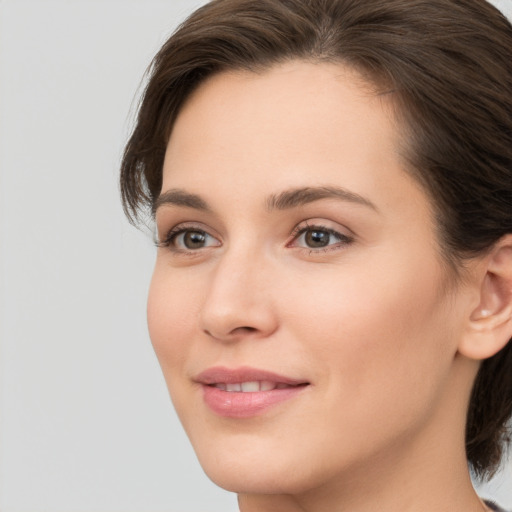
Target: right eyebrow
178, 197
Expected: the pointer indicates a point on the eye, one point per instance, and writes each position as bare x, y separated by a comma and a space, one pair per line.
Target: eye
319, 237
188, 239
316, 238
192, 239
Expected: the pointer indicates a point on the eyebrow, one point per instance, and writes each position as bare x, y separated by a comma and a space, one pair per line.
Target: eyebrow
178, 197
285, 200
305, 195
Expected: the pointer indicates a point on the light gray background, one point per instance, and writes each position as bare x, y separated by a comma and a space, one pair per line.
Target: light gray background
85, 420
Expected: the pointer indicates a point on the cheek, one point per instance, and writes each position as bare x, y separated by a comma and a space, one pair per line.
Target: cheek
377, 335
170, 313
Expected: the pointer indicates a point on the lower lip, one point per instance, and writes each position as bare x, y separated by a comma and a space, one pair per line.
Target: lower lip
233, 404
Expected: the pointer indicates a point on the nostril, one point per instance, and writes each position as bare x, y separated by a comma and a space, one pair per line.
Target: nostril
233, 333
244, 330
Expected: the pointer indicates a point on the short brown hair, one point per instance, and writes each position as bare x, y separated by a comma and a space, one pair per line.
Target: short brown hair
449, 64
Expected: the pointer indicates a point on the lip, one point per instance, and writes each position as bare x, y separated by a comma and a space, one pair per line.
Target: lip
233, 404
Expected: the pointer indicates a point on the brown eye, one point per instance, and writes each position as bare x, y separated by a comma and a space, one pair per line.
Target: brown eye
315, 238
194, 239
189, 239
319, 237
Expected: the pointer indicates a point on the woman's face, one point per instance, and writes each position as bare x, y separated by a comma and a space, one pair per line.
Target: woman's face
299, 305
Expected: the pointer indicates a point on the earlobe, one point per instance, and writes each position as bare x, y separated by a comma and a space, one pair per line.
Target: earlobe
489, 327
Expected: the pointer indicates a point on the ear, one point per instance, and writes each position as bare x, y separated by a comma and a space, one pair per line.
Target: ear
489, 327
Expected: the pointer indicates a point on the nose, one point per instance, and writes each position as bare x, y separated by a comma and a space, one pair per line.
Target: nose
238, 303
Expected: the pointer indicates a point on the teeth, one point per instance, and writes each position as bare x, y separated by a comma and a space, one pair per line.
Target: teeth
250, 387
266, 385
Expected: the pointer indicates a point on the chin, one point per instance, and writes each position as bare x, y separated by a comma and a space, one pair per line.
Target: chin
258, 478
259, 466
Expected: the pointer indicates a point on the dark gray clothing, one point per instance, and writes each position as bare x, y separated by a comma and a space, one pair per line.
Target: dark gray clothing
494, 507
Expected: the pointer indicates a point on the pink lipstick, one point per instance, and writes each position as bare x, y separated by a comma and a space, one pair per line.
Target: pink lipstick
245, 392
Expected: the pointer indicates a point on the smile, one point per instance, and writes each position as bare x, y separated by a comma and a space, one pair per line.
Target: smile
251, 386
246, 392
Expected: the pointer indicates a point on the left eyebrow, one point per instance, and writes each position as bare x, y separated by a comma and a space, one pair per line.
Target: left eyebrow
302, 196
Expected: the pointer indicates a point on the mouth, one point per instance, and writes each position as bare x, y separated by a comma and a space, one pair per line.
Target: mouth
253, 386
246, 392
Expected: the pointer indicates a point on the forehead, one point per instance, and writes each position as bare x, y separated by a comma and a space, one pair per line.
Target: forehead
290, 115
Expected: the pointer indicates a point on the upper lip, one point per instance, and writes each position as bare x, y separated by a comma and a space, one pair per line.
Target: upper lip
221, 374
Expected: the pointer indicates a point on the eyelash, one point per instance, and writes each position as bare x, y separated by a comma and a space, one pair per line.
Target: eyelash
301, 229
298, 231
172, 235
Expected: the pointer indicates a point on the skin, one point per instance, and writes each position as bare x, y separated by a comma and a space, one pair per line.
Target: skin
372, 321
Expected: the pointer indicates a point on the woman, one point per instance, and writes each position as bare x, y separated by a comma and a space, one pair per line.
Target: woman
331, 305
